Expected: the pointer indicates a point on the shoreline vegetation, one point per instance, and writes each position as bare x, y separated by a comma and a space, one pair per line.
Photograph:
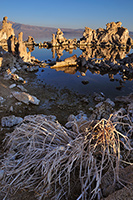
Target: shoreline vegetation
88, 157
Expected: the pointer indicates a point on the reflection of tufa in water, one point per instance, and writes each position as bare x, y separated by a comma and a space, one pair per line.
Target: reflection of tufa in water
98, 60
108, 53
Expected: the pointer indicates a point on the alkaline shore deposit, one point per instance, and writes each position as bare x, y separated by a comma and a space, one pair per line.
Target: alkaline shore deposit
75, 147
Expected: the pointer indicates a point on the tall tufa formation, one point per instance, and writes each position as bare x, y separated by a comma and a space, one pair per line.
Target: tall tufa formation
59, 39
114, 34
12, 44
7, 30
22, 50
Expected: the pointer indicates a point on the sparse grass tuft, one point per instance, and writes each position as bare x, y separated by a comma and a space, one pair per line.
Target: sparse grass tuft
56, 163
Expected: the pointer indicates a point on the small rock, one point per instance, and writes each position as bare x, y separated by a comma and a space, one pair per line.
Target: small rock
101, 93
71, 117
83, 74
108, 101
10, 121
85, 100
18, 104
12, 86
80, 116
32, 68
11, 109
99, 98
91, 109
15, 77
99, 105
18, 66
1, 99
22, 88
21, 79
13, 70
7, 76
26, 98
24, 67
10, 96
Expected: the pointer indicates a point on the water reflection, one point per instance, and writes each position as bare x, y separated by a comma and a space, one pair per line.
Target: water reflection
99, 52
107, 53
84, 79
59, 51
96, 55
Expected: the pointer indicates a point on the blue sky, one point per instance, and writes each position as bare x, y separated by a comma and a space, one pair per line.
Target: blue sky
68, 13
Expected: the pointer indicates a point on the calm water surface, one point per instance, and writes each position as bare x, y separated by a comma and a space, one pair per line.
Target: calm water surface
96, 82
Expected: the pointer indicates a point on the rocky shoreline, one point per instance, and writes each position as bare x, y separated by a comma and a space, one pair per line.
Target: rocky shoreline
15, 62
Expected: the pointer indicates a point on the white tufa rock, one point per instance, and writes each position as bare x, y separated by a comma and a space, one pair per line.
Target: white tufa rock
11, 109
108, 101
12, 86
22, 88
26, 98
13, 70
1, 99
10, 121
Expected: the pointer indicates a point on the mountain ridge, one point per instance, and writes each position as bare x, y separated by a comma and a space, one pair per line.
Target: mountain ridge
42, 32
45, 33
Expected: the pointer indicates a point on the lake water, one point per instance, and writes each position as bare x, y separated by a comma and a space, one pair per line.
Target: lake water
74, 82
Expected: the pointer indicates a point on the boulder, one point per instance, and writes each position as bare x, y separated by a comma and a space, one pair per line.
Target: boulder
67, 62
12, 86
26, 98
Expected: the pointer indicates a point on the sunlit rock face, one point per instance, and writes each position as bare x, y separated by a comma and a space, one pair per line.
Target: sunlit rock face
11, 44
22, 51
114, 34
59, 36
7, 30
59, 39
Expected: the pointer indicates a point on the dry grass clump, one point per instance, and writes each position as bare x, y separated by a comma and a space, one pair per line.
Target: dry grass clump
61, 164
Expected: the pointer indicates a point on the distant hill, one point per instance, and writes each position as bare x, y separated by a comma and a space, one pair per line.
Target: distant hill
45, 33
